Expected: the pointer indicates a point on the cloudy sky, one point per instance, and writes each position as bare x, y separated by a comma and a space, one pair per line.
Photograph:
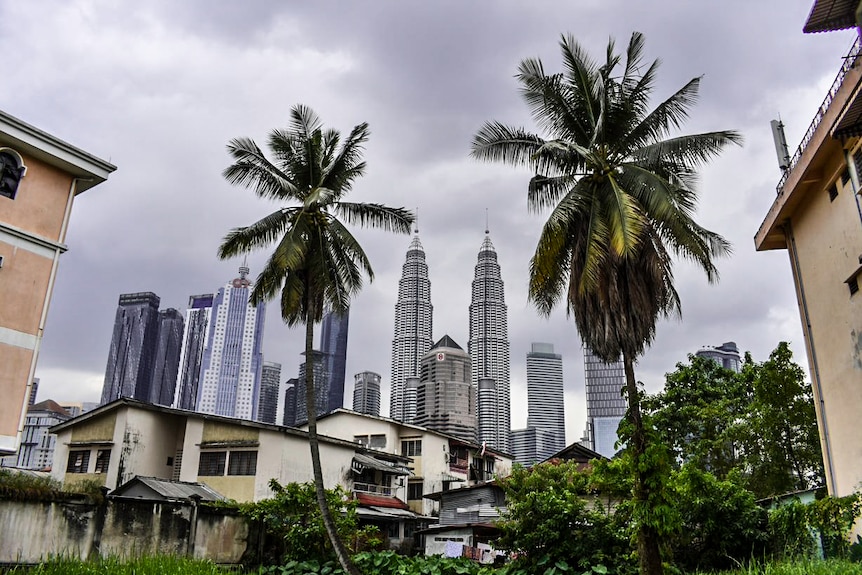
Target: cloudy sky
159, 87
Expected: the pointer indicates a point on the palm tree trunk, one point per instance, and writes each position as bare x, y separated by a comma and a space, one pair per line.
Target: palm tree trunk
649, 555
319, 490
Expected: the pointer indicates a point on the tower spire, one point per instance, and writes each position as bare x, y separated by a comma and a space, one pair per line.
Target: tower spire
243, 269
487, 227
416, 221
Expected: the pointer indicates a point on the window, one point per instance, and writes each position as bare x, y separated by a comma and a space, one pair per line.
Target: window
853, 284
377, 441
833, 192
411, 447
78, 461
414, 490
242, 463
103, 458
212, 463
361, 439
11, 171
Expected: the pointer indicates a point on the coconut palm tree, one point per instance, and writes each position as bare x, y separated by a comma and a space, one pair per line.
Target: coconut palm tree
316, 262
621, 189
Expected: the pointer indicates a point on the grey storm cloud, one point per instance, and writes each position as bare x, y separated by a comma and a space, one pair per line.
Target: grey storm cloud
160, 87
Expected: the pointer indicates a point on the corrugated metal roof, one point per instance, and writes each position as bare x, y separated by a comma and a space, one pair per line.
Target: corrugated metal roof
850, 123
370, 500
173, 490
829, 15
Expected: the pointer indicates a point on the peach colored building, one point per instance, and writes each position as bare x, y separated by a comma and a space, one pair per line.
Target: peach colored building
817, 218
40, 176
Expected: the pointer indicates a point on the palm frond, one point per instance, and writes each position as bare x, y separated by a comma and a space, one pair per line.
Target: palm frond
496, 142
691, 150
398, 220
259, 234
253, 170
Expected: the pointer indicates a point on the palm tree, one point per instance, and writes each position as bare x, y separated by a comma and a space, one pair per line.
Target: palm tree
622, 196
316, 263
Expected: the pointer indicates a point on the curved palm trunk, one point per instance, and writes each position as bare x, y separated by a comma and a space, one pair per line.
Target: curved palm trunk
649, 555
319, 490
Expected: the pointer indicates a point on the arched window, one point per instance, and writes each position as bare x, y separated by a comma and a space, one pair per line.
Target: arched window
12, 169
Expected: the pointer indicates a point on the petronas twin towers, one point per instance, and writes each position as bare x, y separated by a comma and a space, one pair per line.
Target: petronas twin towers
488, 347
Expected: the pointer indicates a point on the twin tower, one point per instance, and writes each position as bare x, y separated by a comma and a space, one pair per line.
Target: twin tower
439, 386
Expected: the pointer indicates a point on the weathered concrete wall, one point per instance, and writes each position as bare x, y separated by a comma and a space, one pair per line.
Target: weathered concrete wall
32, 531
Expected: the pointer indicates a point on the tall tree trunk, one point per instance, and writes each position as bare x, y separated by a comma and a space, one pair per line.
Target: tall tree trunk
649, 554
319, 490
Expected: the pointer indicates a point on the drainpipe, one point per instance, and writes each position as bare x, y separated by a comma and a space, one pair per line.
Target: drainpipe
854, 177
806, 326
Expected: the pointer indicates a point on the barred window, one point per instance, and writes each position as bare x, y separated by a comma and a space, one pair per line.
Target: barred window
377, 441
103, 458
212, 463
79, 460
242, 463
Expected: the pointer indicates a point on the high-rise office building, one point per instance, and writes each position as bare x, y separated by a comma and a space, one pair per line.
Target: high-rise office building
133, 348
446, 398
232, 361
167, 361
333, 343
726, 355
34, 391
289, 417
545, 395
531, 445
319, 379
413, 323
489, 346
270, 380
366, 393
37, 443
195, 338
606, 404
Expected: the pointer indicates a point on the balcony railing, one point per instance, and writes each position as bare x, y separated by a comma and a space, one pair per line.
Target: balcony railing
372, 488
849, 62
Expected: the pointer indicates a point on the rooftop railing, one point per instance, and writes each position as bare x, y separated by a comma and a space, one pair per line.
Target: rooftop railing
849, 62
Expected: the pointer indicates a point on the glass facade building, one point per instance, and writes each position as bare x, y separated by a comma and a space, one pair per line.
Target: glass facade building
606, 403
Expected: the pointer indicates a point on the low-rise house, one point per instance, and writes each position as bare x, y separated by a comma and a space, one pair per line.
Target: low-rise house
467, 523
125, 439
439, 461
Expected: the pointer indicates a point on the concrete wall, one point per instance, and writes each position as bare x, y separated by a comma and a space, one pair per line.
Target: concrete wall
33, 531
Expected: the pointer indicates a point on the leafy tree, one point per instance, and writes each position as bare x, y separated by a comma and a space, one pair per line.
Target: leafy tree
759, 423
293, 516
556, 523
316, 263
721, 524
701, 414
783, 449
622, 195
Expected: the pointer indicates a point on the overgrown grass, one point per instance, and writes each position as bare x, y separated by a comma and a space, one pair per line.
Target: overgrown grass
162, 565
801, 567
27, 487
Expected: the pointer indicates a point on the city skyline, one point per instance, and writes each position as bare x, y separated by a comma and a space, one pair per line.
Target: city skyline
422, 119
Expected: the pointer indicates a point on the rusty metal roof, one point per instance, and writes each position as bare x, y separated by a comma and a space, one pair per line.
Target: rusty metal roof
829, 15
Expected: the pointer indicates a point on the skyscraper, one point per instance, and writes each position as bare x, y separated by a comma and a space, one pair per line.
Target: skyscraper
366, 393
413, 322
270, 380
333, 343
232, 361
195, 338
531, 445
446, 399
545, 395
321, 394
489, 345
606, 405
289, 417
726, 355
133, 348
167, 361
